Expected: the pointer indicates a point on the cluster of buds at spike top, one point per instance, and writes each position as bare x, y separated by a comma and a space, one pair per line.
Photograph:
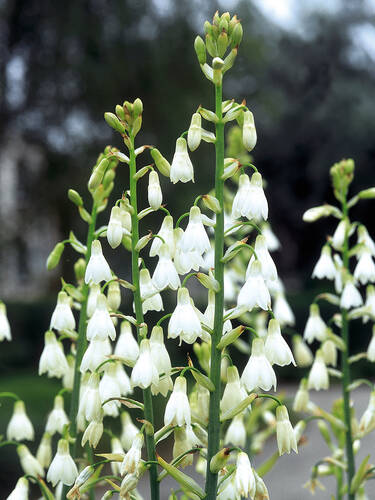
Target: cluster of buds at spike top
127, 119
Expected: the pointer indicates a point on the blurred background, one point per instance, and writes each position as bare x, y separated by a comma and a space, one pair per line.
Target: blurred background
306, 70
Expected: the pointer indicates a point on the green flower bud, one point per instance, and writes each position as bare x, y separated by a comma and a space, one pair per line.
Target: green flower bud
54, 256
120, 112
230, 337
236, 35
224, 24
137, 107
216, 19
161, 163
137, 125
212, 203
207, 27
222, 43
200, 49
75, 197
98, 174
229, 60
142, 242
219, 460
211, 46
79, 269
114, 122
367, 194
342, 175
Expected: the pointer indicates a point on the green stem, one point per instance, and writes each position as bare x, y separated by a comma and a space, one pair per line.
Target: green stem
147, 398
345, 367
81, 347
214, 410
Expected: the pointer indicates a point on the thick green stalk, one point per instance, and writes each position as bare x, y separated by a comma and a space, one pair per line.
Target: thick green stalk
345, 367
81, 347
147, 398
214, 415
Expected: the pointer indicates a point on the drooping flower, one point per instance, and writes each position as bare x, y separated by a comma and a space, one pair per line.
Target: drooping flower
195, 132
269, 271
114, 229
97, 351
127, 347
97, 268
282, 310
93, 433
166, 234
100, 325
90, 404
21, 490
325, 267
20, 426
258, 372
286, 439
350, 296
301, 399
62, 467
254, 292
244, 476
129, 430
318, 376
302, 352
62, 316
144, 372
29, 463
4, 324
181, 167
57, 419
52, 360
277, 350
184, 322
109, 388
233, 393
133, 456
165, 274
249, 134
177, 410
365, 268
315, 327
236, 432
154, 193
195, 238
151, 298
44, 452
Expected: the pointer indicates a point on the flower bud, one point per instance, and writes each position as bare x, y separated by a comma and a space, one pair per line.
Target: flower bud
75, 197
195, 132
114, 229
161, 163
155, 195
219, 460
217, 65
114, 295
114, 122
236, 35
98, 174
315, 213
249, 135
212, 203
200, 49
222, 43
54, 257
286, 440
211, 45
79, 269
137, 107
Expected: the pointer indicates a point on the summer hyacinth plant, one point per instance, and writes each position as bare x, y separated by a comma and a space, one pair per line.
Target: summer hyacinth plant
212, 421
340, 429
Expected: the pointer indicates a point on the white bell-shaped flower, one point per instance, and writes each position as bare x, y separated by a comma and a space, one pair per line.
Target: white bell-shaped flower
127, 347
93, 433
227, 488
370, 302
269, 271
315, 327
339, 273
350, 296
181, 166
62, 467
90, 403
5, 332
254, 292
282, 310
133, 456
244, 476
129, 430
249, 133
195, 238
155, 196
100, 325
57, 419
184, 440
277, 350
97, 351
177, 410
236, 432
233, 393
301, 399
123, 380
286, 439
195, 132
92, 299
257, 202
329, 351
166, 233
371, 347
52, 360
20, 426
240, 202
159, 352
363, 238
151, 298
272, 241
62, 317
185, 261
144, 372
44, 452
302, 352
114, 296
21, 490
184, 322
325, 267
365, 268
29, 463
97, 268
165, 274
109, 388
114, 229
318, 376
258, 372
